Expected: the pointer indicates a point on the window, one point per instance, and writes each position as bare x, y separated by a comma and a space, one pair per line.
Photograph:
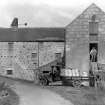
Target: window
9, 72
10, 43
33, 55
93, 18
57, 55
10, 46
93, 26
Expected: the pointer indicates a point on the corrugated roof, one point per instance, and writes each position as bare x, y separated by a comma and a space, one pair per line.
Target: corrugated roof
32, 34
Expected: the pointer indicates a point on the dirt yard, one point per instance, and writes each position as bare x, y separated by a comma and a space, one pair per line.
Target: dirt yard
7, 95
30, 94
80, 96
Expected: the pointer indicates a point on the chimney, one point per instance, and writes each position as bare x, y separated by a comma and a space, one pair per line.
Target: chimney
15, 23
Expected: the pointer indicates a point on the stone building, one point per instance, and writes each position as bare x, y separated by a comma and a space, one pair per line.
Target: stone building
23, 50
83, 34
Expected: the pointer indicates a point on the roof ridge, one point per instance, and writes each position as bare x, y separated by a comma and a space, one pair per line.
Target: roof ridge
93, 4
37, 28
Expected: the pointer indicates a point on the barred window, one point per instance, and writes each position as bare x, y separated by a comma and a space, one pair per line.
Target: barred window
10, 45
93, 28
57, 55
33, 55
9, 72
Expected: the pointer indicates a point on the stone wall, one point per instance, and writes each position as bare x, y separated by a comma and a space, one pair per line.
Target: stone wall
48, 50
25, 57
77, 39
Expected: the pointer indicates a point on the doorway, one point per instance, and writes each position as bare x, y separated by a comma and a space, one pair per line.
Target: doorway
93, 51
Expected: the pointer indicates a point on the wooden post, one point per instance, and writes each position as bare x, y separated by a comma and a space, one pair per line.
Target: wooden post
91, 77
36, 80
36, 71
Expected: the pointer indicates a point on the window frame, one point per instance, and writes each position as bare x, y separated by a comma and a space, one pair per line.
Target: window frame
9, 72
93, 28
33, 55
57, 54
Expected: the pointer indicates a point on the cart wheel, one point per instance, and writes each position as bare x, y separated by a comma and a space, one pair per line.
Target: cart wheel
76, 83
44, 82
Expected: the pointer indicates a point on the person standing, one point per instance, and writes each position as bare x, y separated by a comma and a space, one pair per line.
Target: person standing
93, 54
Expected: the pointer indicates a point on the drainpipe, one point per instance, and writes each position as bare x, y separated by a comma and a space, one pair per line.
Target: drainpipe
91, 77
64, 48
36, 71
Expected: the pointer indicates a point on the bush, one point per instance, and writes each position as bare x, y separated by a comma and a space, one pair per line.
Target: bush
7, 95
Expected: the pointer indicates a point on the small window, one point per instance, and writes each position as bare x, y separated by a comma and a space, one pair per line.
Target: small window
57, 55
33, 55
93, 28
10, 43
10, 46
9, 72
93, 18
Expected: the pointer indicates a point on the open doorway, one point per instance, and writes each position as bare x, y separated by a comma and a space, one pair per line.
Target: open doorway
93, 51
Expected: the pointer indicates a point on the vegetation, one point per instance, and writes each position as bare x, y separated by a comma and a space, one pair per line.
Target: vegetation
7, 95
81, 96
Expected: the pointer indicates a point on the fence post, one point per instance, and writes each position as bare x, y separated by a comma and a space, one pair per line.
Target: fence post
91, 79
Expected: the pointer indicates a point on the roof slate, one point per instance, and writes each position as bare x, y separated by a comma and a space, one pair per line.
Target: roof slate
32, 34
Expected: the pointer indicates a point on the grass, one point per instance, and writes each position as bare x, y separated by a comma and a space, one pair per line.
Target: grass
11, 98
81, 96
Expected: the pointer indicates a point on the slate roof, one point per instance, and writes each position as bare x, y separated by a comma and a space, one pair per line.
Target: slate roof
31, 34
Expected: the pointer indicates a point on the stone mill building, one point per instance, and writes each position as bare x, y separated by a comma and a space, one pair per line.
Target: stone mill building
85, 32
23, 50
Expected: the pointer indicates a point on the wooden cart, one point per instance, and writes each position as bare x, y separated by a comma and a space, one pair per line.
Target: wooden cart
72, 77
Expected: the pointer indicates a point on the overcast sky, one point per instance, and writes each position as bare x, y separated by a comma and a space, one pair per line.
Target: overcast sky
43, 13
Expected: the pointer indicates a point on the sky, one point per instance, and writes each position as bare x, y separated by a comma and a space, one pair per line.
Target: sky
43, 13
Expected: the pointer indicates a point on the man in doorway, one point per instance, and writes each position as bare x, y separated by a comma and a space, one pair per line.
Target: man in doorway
93, 54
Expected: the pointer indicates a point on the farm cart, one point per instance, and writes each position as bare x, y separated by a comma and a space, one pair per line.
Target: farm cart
95, 77
51, 75
72, 77
66, 76
69, 76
